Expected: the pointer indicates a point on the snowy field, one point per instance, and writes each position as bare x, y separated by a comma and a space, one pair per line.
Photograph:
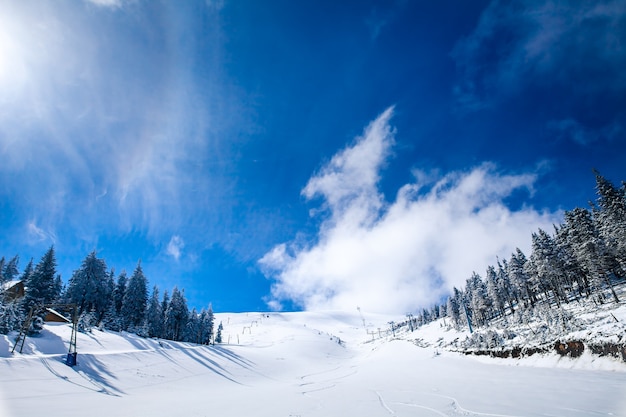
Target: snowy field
297, 364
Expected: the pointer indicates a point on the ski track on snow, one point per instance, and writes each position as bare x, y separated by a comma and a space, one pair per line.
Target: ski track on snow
310, 374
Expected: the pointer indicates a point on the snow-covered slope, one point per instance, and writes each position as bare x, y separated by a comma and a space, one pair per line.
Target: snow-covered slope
294, 364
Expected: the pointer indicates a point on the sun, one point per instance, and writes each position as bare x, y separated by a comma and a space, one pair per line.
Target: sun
12, 65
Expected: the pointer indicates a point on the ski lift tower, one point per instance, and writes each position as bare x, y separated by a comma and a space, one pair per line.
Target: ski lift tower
362, 318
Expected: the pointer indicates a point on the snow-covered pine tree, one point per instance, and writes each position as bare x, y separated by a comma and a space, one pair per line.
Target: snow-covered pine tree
3, 263
434, 312
545, 267
520, 279
193, 328
28, 271
40, 288
154, 316
453, 307
207, 320
479, 301
58, 289
442, 310
589, 248
10, 270
119, 292
504, 285
135, 299
112, 320
176, 316
493, 291
11, 316
218, 336
90, 288
576, 280
165, 303
610, 216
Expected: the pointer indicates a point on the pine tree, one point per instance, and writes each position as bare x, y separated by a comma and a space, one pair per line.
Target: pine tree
545, 266
176, 316
442, 310
135, 300
610, 216
493, 290
119, 292
2, 268
165, 303
479, 301
40, 287
589, 248
207, 319
10, 270
112, 320
154, 315
576, 280
11, 316
90, 287
453, 308
519, 278
193, 328
58, 288
505, 287
218, 336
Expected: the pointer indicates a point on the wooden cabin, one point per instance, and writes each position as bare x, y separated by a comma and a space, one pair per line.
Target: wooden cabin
13, 290
55, 317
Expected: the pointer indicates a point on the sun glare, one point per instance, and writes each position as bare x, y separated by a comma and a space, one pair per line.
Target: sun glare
11, 62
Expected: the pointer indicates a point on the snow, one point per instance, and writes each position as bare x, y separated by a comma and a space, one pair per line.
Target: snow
10, 284
299, 364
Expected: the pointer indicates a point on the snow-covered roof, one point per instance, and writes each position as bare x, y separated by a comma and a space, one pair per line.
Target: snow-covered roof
10, 284
56, 313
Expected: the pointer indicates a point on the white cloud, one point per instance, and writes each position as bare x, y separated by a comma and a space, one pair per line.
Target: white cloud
352, 175
407, 254
175, 247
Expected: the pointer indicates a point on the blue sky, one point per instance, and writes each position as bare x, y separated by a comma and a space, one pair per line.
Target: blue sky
293, 155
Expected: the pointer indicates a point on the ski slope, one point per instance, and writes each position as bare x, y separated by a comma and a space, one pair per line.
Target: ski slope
296, 364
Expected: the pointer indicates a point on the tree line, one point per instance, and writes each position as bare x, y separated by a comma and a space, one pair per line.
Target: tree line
583, 259
119, 303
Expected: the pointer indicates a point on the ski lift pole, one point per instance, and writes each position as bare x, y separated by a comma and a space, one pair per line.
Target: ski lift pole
362, 319
72, 353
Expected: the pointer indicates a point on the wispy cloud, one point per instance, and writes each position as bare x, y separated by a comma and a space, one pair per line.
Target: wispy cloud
175, 247
397, 257
216, 5
115, 123
379, 18
572, 130
37, 234
106, 3
528, 43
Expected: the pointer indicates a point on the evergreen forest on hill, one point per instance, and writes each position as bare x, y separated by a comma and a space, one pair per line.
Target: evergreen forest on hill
582, 260
101, 300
